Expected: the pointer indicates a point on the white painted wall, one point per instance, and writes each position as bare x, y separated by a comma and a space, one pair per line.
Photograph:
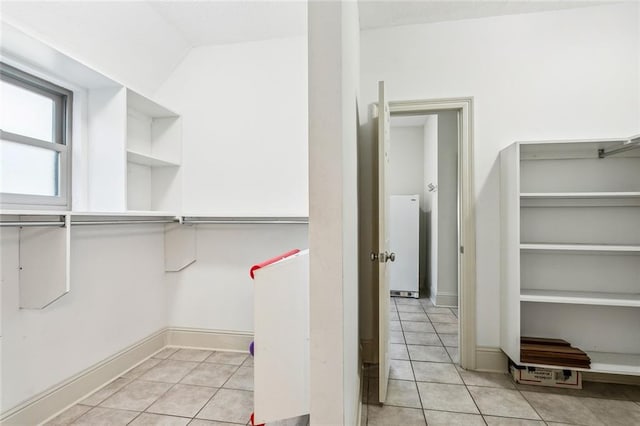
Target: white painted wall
551, 75
244, 128
128, 41
216, 292
406, 164
117, 298
333, 227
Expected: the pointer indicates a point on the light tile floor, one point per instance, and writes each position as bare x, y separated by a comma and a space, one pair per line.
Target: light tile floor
426, 385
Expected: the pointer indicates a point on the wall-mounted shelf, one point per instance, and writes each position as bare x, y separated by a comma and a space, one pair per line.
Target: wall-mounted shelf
580, 297
579, 195
148, 160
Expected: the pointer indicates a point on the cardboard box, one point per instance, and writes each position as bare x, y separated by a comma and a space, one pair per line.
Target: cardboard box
538, 376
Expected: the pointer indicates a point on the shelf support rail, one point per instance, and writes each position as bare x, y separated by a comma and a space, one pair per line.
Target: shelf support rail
632, 143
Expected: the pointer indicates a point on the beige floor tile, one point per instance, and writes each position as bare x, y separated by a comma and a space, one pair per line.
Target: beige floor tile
165, 353
454, 311
169, 371
614, 412
400, 370
413, 316
428, 353
502, 402
141, 368
410, 308
445, 418
406, 301
445, 328
402, 393
436, 372
417, 338
506, 421
393, 316
242, 379
395, 326
294, 421
229, 405
450, 340
209, 374
426, 303
446, 397
372, 392
396, 336
248, 362
398, 351
106, 416
136, 396
182, 400
454, 354
632, 392
417, 327
196, 355
602, 390
101, 394
147, 419
561, 408
233, 358
387, 416
444, 318
68, 416
492, 380
200, 422
436, 310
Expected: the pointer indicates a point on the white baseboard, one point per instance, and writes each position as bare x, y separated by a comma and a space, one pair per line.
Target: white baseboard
491, 360
209, 339
53, 401
446, 299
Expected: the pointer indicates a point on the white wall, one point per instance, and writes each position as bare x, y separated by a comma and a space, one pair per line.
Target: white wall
128, 41
244, 128
553, 75
216, 292
333, 227
406, 164
117, 298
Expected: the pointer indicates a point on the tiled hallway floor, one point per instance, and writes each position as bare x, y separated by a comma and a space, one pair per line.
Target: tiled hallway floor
427, 387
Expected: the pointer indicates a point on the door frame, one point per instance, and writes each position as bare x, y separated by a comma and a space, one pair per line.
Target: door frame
466, 213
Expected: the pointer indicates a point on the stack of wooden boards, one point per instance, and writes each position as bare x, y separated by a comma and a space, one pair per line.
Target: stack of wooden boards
536, 350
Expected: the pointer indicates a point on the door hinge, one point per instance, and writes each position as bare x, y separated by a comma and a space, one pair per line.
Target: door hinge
461, 249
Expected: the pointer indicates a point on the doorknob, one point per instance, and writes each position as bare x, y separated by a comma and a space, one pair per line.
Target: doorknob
391, 257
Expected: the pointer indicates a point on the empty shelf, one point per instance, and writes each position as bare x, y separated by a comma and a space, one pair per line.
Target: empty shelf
148, 160
580, 298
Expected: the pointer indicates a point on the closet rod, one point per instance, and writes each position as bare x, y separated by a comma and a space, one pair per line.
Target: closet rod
57, 224
123, 222
244, 221
633, 143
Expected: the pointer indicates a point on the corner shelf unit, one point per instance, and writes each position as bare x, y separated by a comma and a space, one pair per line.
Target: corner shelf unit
570, 252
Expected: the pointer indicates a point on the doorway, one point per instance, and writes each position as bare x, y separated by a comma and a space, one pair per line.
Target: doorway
465, 219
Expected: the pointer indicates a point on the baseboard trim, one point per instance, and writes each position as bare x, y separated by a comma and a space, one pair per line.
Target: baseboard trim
611, 378
53, 401
58, 398
491, 360
446, 299
209, 339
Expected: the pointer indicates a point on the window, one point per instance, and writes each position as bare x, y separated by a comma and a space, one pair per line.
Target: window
35, 141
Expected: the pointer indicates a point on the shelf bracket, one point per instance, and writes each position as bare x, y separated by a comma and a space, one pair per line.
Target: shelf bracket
632, 143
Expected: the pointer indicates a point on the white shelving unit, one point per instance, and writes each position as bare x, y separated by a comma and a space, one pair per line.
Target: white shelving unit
571, 249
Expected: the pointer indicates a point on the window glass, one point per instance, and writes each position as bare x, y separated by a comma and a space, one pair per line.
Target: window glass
27, 169
26, 113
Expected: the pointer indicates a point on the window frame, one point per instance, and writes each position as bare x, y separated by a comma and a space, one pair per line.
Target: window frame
63, 103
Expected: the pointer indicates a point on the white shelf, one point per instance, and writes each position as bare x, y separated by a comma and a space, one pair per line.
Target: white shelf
581, 298
578, 195
581, 248
604, 362
148, 160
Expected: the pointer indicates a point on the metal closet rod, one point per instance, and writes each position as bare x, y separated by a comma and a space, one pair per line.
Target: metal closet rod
92, 222
633, 143
194, 220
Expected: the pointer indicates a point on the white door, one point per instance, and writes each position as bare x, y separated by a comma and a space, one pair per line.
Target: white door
383, 241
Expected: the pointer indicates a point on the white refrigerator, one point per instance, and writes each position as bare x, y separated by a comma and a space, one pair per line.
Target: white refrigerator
404, 234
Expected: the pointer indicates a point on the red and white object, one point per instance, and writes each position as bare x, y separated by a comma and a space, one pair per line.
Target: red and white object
281, 355
538, 376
